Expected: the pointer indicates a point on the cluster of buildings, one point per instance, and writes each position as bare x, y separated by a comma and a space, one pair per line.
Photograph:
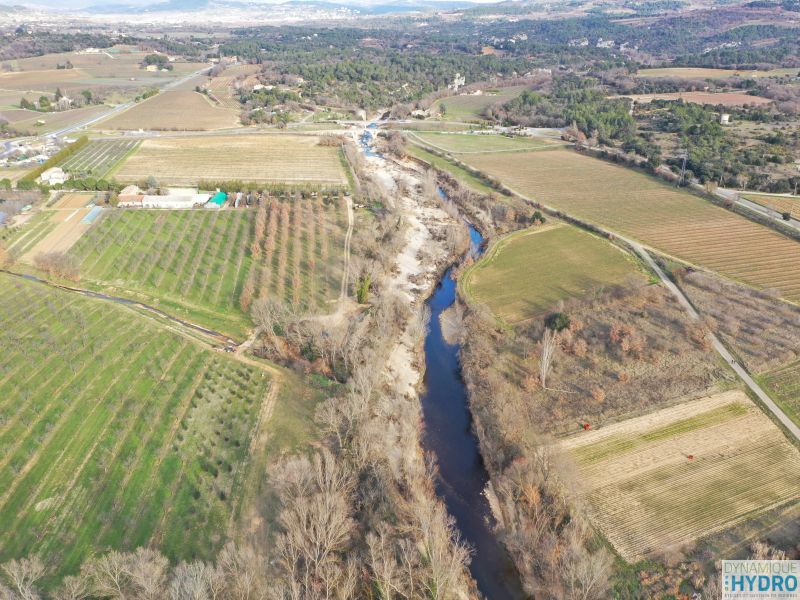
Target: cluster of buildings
174, 198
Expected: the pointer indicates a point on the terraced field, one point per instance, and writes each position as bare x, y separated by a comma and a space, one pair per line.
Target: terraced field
668, 478
98, 158
642, 207
783, 385
126, 435
200, 264
280, 159
527, 272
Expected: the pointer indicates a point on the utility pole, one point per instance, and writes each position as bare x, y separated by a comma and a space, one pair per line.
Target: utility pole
684, 155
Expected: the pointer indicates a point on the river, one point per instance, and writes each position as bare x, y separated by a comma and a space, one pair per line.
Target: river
449, 435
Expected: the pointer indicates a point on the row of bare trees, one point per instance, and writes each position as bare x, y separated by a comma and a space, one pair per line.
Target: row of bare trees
238, 573
360, 517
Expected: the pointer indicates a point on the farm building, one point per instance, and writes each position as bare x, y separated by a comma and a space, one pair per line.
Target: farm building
130, 197
53, 175
174, 201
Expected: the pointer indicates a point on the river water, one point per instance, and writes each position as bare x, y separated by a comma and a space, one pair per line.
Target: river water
449, 435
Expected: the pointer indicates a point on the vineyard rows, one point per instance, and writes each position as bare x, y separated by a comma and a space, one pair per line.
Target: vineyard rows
126, 435
195, 259
784, 387
660, 216
98, 158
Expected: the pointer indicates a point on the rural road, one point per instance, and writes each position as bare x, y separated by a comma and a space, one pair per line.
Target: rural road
733, 196
347, 238
718, 345
790, 426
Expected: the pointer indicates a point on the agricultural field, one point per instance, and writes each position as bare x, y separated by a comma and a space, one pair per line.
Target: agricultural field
198, 264
471, 107
222, 86
76, 199
41, 82
780, 203
281, 159
706, 73
98, 158
671, 221
118, 67
715, 99
58, 120
64, 229
21, 238
127, 435
173, 110
783, 385
665, 479
457, 143
529, 271
440, 162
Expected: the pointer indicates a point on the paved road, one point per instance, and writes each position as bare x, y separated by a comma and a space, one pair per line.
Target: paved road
734, 197
791, 427
718, 345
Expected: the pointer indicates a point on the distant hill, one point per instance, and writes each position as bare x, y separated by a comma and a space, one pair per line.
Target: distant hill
378, 8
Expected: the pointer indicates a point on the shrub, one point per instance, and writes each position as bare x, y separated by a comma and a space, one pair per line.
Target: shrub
58, 264
557, 321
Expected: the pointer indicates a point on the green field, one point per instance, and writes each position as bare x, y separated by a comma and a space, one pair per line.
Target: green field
783, 385
192, 263
527, 272
98, 158
115, 432
469, 143
460, 173
470, 108
197, 264
18, 240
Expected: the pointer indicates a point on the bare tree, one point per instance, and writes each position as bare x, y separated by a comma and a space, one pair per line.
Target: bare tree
549, 343
22, 576
317, 527
108, 575
72, 588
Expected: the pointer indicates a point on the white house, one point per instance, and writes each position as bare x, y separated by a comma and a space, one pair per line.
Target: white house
53, 175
